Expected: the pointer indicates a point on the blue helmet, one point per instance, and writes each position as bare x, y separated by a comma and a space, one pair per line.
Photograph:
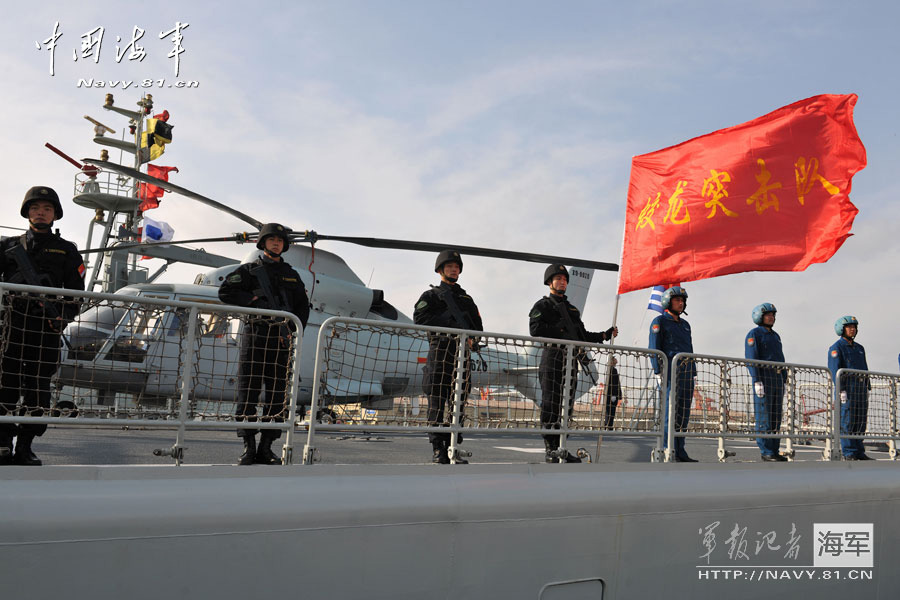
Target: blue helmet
840, 323
675, 290
759, 311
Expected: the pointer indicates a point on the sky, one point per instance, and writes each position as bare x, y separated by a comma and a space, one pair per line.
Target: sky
500, 124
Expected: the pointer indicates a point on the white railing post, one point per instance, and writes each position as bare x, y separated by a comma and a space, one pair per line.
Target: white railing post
309, 449
723, 411
459, 381
836, 450
892, 443
187, 377
287, 452
790, 392
568, 367
673, 397
658, 454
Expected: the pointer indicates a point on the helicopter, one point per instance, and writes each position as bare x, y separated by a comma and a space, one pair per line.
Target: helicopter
122, 349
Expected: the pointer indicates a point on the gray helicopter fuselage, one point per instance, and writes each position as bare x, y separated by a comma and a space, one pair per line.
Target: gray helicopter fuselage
150, 368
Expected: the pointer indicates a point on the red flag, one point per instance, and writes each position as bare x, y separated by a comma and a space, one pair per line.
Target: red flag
149, 193
768, 195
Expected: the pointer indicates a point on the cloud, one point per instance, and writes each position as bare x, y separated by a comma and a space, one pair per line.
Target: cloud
481, 94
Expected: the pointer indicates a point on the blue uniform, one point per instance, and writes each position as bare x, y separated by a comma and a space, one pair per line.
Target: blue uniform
855, 411
671, 336
763, 343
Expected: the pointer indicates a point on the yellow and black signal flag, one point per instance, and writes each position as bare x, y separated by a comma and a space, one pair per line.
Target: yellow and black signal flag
156, 135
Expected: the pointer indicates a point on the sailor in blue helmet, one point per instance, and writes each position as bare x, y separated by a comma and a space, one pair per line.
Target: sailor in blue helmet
853, 389
763, 343
671, 334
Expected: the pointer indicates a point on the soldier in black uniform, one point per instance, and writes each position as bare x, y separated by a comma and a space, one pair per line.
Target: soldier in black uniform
445, 305
265, 345
553, 317
32, 326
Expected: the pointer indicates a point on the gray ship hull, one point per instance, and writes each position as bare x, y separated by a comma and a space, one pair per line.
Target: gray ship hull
476, 531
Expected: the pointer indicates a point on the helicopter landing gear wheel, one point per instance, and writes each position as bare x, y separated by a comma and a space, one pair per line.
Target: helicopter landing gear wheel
66, 408
326, 416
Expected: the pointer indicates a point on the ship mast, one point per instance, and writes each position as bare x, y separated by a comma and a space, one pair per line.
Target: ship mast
116, 202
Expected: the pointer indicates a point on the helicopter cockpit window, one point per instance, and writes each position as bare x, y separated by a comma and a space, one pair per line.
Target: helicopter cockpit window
91, 330
144, 322
138, 328
209, 325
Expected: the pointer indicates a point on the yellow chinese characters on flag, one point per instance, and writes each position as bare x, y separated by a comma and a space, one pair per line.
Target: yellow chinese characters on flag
771, 194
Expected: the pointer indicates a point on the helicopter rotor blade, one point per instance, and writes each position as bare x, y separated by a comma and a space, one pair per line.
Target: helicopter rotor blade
240, 238
312, 236
171, 187
473, 250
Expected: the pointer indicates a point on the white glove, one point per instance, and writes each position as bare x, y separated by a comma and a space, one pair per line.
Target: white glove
843, 397
659, 380
759, 389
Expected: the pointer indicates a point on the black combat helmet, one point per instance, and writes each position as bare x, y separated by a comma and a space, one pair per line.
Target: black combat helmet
555, 270
41, 192
447, 256
274, 229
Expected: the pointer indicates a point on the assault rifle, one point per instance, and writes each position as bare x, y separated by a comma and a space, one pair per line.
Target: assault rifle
276, 301
265, 290
463, 320
29, 275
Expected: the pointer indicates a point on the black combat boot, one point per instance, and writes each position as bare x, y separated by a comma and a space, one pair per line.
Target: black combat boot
571, 458
264, 454
24, 456
249, 454
550, 448
683, 457
440, 453
6, 452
